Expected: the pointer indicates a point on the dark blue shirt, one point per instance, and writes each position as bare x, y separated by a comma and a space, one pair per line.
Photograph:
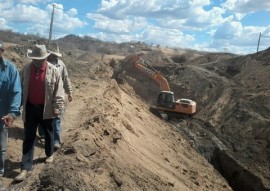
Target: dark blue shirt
10, 90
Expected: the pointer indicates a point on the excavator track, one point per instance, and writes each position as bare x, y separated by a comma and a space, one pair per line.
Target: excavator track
159, 113
168, 115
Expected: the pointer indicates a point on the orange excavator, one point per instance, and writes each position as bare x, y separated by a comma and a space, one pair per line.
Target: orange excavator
165, 101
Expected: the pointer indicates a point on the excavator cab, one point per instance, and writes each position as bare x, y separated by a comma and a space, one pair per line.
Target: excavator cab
166, 99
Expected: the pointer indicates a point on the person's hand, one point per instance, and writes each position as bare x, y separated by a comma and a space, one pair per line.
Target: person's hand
70, 97
8, 119
56, 113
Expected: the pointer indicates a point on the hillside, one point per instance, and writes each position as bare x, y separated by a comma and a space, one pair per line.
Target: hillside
113, 142
231, 127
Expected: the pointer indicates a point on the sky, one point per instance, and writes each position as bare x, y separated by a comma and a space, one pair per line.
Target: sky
233, 26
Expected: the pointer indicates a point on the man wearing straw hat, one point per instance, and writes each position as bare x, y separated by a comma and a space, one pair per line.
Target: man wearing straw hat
43, 100
59, 64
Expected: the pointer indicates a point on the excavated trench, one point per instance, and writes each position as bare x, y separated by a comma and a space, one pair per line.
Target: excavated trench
238, 177
207, 144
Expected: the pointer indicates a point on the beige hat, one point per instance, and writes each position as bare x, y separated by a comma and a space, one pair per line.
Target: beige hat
39, 52
54, 49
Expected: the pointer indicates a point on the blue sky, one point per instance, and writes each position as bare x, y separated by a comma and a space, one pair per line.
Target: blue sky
208, 25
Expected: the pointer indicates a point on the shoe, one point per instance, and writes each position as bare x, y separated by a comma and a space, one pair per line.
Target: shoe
22, 176
49, 159
57, 146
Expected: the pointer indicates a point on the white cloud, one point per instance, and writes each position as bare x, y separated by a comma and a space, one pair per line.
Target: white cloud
39, 19
113, 37
152, 8
266, 32
168, 18
3, 24
72, 12
121, 8
151, 35
167, 37
239, 16
199, 18
237, 38
228, 30
199, 2
6, 4
34, 1
27, 14
39, 29
176, 23
118, 26
174, 14
65, 21
246, 6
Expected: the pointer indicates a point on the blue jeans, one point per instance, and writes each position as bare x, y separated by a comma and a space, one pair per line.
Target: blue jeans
34, 116
57, 130
3, 147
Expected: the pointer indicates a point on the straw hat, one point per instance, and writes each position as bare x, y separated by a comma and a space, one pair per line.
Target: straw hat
39, 52
54, 49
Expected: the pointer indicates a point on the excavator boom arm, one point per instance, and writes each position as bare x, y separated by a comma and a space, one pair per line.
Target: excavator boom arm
155, 75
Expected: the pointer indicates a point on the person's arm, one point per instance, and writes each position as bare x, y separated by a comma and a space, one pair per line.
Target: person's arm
66, 83
15, 92
22, 79
15, 97
59, 95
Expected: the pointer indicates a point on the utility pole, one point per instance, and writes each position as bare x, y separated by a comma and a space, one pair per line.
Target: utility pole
259, 42
51, 25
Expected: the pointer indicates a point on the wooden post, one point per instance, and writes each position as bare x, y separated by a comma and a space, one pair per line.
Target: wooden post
259, 42
51, 25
